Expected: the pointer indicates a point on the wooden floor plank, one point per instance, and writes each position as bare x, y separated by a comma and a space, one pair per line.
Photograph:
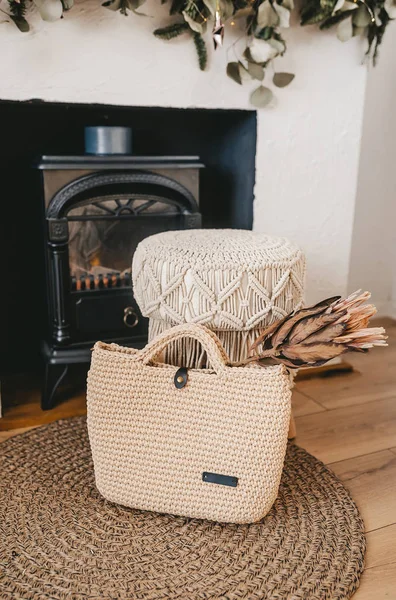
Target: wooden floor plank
374, 378
378, 583
371, 479
303, 405
348, 432
22, 395
5, 435
381, 547
354, 389
31, 414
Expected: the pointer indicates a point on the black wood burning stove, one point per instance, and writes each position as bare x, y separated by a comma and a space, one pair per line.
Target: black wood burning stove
97, 209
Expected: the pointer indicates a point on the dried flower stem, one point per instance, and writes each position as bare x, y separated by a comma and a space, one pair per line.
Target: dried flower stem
314, 335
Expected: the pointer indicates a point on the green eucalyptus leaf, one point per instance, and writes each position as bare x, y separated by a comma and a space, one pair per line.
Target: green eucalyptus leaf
246, 54
359, 30
233, 72
278, 45
243, 12
345, 30
244, 73
256, 71
289, 4
226, 9
283, 15
361, 17
338, 6
193, 24
282, 79
261, 97
336, 18
349, 6
266, 15
211, 5
262, 51
67, 4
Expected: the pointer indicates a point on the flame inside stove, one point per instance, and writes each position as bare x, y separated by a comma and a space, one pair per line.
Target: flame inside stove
95, 260
99, 255
99, 277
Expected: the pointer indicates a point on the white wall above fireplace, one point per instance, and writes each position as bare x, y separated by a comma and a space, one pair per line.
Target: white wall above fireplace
307, 147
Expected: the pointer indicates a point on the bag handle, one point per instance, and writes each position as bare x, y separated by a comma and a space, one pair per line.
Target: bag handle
209, 341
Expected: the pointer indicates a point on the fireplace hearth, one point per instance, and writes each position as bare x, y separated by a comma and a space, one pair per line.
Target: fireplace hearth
88, 261
97, 210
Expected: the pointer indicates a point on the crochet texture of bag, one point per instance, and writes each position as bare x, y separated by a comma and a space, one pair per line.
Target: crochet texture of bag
207, 443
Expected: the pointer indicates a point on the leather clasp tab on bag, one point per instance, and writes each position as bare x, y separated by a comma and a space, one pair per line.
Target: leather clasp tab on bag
181, 377
220, 479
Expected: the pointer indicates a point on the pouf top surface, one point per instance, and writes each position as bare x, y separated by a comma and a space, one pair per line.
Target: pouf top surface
227, 279
219, 247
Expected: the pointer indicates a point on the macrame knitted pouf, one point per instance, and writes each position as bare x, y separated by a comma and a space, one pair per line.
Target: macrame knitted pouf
235, 282
61, 540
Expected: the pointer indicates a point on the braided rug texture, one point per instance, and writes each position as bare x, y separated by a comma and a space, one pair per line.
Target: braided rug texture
59, 539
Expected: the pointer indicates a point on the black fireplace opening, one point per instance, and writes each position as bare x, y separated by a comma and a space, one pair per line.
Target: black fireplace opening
70, 223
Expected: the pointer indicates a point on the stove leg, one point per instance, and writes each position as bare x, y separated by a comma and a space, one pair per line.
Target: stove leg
54, 374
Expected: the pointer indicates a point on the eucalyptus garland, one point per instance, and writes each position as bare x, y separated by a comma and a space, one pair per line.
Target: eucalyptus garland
261, 22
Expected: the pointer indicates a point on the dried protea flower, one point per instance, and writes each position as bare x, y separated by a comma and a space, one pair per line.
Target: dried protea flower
314, 335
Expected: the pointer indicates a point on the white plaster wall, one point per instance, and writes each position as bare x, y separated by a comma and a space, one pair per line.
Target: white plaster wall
308, 145
373, 256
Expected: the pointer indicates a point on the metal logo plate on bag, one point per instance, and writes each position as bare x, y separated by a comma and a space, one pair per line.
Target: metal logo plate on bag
220, 479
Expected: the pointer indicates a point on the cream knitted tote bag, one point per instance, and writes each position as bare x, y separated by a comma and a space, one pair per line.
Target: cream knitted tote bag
207, 443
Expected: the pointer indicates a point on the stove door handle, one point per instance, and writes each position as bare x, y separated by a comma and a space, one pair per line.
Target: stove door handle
131, 319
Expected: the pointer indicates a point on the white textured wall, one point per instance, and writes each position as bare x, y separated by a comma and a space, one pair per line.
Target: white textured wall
373, 257
308, 145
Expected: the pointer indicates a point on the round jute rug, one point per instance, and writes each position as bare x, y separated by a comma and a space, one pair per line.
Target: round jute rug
59, 539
